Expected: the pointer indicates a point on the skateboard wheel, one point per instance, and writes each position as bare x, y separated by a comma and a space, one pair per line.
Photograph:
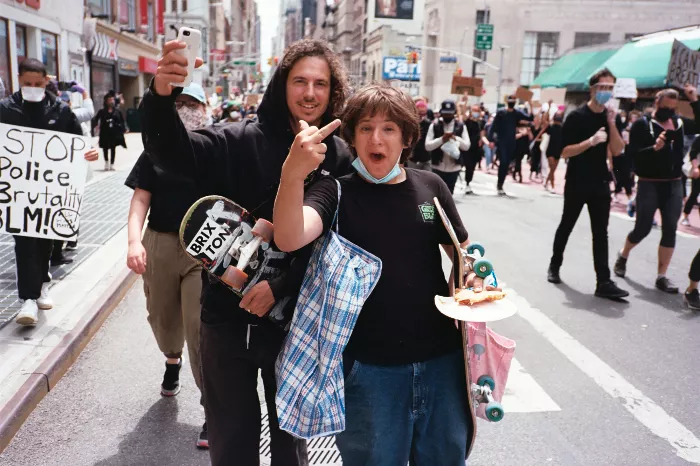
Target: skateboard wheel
483, 268
475, 247
235, 278
263, 229
494, 411
486, 380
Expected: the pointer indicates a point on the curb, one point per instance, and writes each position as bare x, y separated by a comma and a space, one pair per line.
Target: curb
56, 364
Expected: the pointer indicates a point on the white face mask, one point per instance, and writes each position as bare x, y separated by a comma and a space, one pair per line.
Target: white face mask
33, 94
192, 118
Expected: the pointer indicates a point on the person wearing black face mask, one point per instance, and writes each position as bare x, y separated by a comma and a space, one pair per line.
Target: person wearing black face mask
504, 127
656, 146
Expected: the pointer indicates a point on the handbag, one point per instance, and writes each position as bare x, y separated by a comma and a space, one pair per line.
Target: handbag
310, 384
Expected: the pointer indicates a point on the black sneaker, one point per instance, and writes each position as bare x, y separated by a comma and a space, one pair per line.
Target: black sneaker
666, 285
692, 300
608, 289
61, 261
620, 268
553, 275
171, 379
203, 440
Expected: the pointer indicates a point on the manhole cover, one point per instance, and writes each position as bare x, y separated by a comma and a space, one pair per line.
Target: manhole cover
322, 450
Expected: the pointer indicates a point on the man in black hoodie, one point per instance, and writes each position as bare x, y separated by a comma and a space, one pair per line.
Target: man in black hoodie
243, 162
33, 107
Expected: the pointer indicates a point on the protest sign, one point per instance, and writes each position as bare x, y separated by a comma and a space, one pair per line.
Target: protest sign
472, 86
684, 67
42, 180
556, 95
523, 94
625, 88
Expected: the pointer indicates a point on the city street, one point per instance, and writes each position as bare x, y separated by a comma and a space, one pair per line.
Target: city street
594, 382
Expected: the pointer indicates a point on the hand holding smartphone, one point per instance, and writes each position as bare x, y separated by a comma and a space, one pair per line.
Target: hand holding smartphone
192, 38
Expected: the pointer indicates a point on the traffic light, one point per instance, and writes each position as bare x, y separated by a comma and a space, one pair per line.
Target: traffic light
269, 61
277, 61
414, 57
458, 71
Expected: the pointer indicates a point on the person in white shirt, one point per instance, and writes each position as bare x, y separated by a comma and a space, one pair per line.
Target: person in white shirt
448, 140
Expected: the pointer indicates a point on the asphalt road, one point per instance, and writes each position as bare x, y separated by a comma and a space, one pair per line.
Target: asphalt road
595, 382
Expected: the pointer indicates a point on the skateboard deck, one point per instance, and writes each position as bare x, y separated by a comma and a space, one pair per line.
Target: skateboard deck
234, 247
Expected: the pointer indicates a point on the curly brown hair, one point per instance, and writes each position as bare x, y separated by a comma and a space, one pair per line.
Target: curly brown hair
316, 48
381, 99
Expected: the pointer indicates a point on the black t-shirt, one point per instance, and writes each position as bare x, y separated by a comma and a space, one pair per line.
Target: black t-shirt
171, 196
474, 129
555, 146
399, 323
590, 167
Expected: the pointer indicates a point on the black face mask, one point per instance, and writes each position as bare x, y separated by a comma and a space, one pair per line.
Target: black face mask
664, 113
447, 118
511, 104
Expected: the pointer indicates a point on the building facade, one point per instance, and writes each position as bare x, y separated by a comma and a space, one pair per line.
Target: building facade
193, 14
532, 35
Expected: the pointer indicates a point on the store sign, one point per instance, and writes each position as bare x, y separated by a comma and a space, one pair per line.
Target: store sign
399, 68
36, 4
148, 65
128, 67
106, 47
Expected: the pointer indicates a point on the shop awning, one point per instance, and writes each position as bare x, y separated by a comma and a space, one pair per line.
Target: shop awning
573, 69
646, 60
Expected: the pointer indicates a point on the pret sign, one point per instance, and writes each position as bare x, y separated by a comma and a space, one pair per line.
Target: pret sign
42, 180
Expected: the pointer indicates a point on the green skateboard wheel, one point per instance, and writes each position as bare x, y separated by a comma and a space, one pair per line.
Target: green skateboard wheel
486, 380
475, 247
494, 411
483, 268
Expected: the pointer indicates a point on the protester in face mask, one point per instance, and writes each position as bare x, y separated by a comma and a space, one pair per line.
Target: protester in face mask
589, 132
554, 147
447, 162
172, 282
33, 107
475, 129
420, 158
503, 132
398, 326
622, 165
656, 145
243, 161
111, 126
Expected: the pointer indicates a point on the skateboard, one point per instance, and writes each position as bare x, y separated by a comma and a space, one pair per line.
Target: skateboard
463, 262
234, 247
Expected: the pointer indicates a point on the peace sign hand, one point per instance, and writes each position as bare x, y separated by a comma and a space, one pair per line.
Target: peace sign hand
308, 150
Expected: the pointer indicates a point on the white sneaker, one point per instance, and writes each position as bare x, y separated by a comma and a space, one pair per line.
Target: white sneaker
111, 167
468, 190
685, 222
106, 166
45, 302
28, 313
502, 192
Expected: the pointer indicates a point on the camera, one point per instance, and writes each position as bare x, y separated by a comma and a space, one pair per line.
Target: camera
185, 33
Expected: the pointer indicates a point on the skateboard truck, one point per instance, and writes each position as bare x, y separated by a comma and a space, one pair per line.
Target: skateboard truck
235, 276
482, 392
474, 260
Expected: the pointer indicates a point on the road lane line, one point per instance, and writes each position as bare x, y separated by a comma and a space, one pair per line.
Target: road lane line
651, 415
523, 394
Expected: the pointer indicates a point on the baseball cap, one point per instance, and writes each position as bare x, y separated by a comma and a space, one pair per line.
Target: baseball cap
195, 91
421, 104
448, 106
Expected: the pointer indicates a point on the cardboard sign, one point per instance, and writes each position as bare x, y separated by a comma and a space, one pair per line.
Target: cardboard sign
251, 99
462, 84
684, 109
42, 180
684, 67
625, 88
523, 94
557, 95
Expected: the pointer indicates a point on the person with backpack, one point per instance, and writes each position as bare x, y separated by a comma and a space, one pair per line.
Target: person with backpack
656, 146
447, 140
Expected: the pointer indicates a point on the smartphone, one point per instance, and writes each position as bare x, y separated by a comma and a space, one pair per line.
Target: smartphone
192, 38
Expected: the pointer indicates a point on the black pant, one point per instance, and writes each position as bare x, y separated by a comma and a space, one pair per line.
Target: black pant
623, 174
230, 363
598, 200
450, 178
693, 198
694, 273
57, 252
113, 151
667, 198
32, 257
505, 156
471, 159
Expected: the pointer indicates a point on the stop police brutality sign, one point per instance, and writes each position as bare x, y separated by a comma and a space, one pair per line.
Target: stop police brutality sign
42, 180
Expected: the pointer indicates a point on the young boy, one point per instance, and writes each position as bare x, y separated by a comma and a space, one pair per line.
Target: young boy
405, 387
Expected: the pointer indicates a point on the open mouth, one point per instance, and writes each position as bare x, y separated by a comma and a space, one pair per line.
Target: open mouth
376, 157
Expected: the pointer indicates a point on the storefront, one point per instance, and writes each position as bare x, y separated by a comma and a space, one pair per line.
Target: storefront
103, 72
128, 81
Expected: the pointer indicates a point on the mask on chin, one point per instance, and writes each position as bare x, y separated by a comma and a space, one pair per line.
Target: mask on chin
364, 173
33, 94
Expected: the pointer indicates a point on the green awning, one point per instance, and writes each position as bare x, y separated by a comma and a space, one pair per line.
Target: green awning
573, 69
646, 60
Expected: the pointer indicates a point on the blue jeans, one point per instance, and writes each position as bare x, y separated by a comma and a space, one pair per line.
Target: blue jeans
413, 413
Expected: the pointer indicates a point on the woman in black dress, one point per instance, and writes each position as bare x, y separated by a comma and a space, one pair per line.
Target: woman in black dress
111, 129
554, 148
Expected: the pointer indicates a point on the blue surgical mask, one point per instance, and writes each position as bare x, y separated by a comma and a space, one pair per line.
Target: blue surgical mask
602, 97
362, 170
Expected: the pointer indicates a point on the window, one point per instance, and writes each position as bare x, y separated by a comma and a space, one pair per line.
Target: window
99, 8
21, 33
127, 13
539, 52
585, 39
5, 76
49, 52
173, 6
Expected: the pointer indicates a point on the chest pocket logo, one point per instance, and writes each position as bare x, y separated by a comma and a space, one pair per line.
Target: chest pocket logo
52, 122
427, 211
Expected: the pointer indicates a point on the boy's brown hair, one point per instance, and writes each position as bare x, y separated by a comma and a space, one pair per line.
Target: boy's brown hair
395, 104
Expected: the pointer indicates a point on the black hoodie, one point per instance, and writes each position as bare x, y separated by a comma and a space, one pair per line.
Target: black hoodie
50, 113
240, 161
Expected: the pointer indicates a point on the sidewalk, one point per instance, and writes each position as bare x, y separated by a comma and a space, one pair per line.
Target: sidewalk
84, 293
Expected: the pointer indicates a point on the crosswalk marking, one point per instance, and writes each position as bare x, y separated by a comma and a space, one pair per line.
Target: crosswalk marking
523, 394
